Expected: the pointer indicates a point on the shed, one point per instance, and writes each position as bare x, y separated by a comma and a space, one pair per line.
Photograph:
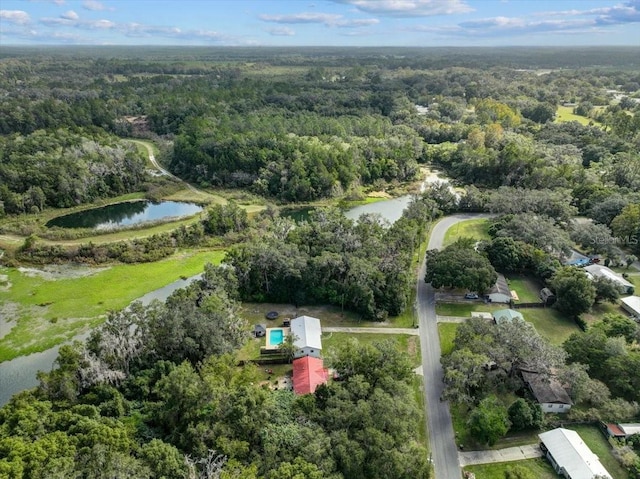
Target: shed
307, 336
630, 429
547, 296
260, 330
631, 305
569, 456
598, 271
308, 374
548, 391
507, 315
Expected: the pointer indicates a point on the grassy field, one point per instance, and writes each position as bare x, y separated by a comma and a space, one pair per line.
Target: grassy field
447, 332
596, 441
539, 468
465, 309
477, 229
551, 325
528, 289
49, 312
565, 113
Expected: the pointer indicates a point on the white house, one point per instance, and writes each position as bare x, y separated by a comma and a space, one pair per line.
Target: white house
597, 271
569, 456
500, 292
631, 304
307, 336
548, 391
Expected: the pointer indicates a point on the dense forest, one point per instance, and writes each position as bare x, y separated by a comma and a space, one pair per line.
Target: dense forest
157, 392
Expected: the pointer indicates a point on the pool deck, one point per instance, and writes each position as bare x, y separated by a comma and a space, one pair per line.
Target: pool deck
269, 345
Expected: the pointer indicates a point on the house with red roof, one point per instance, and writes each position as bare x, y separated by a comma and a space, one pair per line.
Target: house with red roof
308, 373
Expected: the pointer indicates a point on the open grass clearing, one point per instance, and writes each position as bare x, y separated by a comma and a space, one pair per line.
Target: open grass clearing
551, 324
565, 113
527, 288
465, 309
477, 229
48, 312
596, 441
539, 468
447, 333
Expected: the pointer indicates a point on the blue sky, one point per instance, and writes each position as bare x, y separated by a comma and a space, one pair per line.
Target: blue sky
321, 22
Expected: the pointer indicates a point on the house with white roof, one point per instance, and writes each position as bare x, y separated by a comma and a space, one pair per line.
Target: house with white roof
307, 336
598, 271
631, 304
569, 456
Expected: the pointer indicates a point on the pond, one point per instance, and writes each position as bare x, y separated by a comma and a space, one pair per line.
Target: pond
20, 373
127, 213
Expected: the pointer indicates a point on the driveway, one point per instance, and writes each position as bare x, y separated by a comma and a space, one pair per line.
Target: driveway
444, 453
518, 453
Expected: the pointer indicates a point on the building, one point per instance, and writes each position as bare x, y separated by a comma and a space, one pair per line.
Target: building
260, 330
308, 374
569, 456
500, 292
597, 271
507, 315
307, 336
548, 392
621, 431
547, 296
631, 304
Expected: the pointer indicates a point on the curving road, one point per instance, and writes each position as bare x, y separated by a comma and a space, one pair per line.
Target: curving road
444, 453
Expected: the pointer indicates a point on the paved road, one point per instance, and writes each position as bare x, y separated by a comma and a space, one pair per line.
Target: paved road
412, 332
509, 454
443, 446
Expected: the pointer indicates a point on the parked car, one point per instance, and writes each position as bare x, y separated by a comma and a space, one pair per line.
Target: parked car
471, 296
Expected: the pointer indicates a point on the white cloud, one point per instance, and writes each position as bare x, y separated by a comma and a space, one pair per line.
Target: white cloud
409, 8
17, 17
57, 2
327, 19
93, 5
282, 32
307, 17
70, 15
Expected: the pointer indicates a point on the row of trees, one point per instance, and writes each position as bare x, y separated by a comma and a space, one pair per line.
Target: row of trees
364, 266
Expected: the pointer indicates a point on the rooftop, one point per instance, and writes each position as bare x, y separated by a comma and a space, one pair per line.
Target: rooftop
308, 374
507, 315
603, 271
571, 453
546, 389
307, 331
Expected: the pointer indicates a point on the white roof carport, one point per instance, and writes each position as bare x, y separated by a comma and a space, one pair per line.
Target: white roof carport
571, 454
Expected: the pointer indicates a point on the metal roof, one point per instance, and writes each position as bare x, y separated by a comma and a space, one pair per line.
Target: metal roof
307, 331
603, 271
572, 454
630, 429
308, 374
632, 302
507, 315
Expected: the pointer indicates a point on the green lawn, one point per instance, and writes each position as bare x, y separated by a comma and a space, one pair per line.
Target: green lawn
527, 288
49, 312
596, 441
565, 113
476, 229
447, 332
551, 325
539, 468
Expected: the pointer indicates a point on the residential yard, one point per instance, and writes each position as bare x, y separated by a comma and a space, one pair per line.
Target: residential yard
51, 311
596, 441
551, 324
527, 288
447, 332
476, 229
538, 468
403, 343
465, 309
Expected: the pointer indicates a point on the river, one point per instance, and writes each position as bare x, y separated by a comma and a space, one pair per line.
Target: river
20, 373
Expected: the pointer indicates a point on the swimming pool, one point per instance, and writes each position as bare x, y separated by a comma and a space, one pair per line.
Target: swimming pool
276, 336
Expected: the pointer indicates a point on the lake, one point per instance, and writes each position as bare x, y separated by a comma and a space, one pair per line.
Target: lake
127, 213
